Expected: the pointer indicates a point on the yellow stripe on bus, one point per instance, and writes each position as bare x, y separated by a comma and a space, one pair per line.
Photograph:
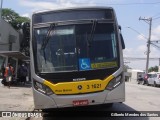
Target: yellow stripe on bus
79, 87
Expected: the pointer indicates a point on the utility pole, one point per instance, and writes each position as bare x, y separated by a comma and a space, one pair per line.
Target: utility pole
149, 21
1, 10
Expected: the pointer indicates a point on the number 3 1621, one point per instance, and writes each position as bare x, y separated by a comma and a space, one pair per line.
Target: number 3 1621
93, 86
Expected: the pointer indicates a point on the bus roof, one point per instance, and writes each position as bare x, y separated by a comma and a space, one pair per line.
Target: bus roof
73, 8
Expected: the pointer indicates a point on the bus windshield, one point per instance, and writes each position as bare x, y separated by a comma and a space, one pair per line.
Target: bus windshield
76, 48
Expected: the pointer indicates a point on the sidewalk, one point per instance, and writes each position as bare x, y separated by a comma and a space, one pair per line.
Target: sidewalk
17, 98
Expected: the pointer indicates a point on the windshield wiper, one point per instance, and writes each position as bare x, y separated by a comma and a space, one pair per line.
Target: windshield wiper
48, 36
46, 39
92, 33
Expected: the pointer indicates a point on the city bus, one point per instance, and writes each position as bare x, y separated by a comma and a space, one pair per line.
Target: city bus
76, 58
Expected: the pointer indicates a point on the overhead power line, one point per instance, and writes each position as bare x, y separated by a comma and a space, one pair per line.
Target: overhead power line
156, 46
149, 3
155, 15
137, 3
155, 41
137, 58
156, 18
138, 33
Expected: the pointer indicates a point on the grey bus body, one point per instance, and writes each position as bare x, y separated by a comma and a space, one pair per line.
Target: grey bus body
76, 58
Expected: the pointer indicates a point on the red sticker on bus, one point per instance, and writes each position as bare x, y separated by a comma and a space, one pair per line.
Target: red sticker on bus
80, 102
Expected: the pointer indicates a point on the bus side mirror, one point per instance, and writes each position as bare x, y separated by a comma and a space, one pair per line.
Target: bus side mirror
121, 37
122, 41
119, 27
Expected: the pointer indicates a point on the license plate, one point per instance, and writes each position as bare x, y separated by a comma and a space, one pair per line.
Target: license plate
80, 102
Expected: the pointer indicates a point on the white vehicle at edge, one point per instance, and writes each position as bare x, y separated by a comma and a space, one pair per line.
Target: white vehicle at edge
154, 79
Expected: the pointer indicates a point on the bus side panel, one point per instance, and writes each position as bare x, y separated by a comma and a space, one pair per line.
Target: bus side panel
42, 101
116, 95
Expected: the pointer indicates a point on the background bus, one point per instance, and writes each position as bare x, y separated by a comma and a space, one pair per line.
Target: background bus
76, 58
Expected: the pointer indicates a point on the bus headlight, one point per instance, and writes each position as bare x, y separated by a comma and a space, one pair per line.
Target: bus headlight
42, 88
114, 83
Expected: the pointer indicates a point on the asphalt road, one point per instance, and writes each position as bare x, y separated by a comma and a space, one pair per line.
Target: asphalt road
138, 98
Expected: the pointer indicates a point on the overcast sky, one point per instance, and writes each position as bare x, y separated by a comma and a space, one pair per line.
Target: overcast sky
128, 13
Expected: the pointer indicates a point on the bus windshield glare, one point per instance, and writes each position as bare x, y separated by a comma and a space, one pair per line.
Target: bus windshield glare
76, 47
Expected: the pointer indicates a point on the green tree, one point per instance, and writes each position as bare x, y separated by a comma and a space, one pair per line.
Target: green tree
151, 69
13, 18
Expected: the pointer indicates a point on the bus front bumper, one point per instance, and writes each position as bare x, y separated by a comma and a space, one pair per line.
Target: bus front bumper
43, 101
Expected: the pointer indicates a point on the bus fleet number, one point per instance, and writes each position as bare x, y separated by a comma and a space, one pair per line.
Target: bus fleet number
94, 86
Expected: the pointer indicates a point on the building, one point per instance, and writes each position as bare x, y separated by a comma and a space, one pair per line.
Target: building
135, 74
10, 46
